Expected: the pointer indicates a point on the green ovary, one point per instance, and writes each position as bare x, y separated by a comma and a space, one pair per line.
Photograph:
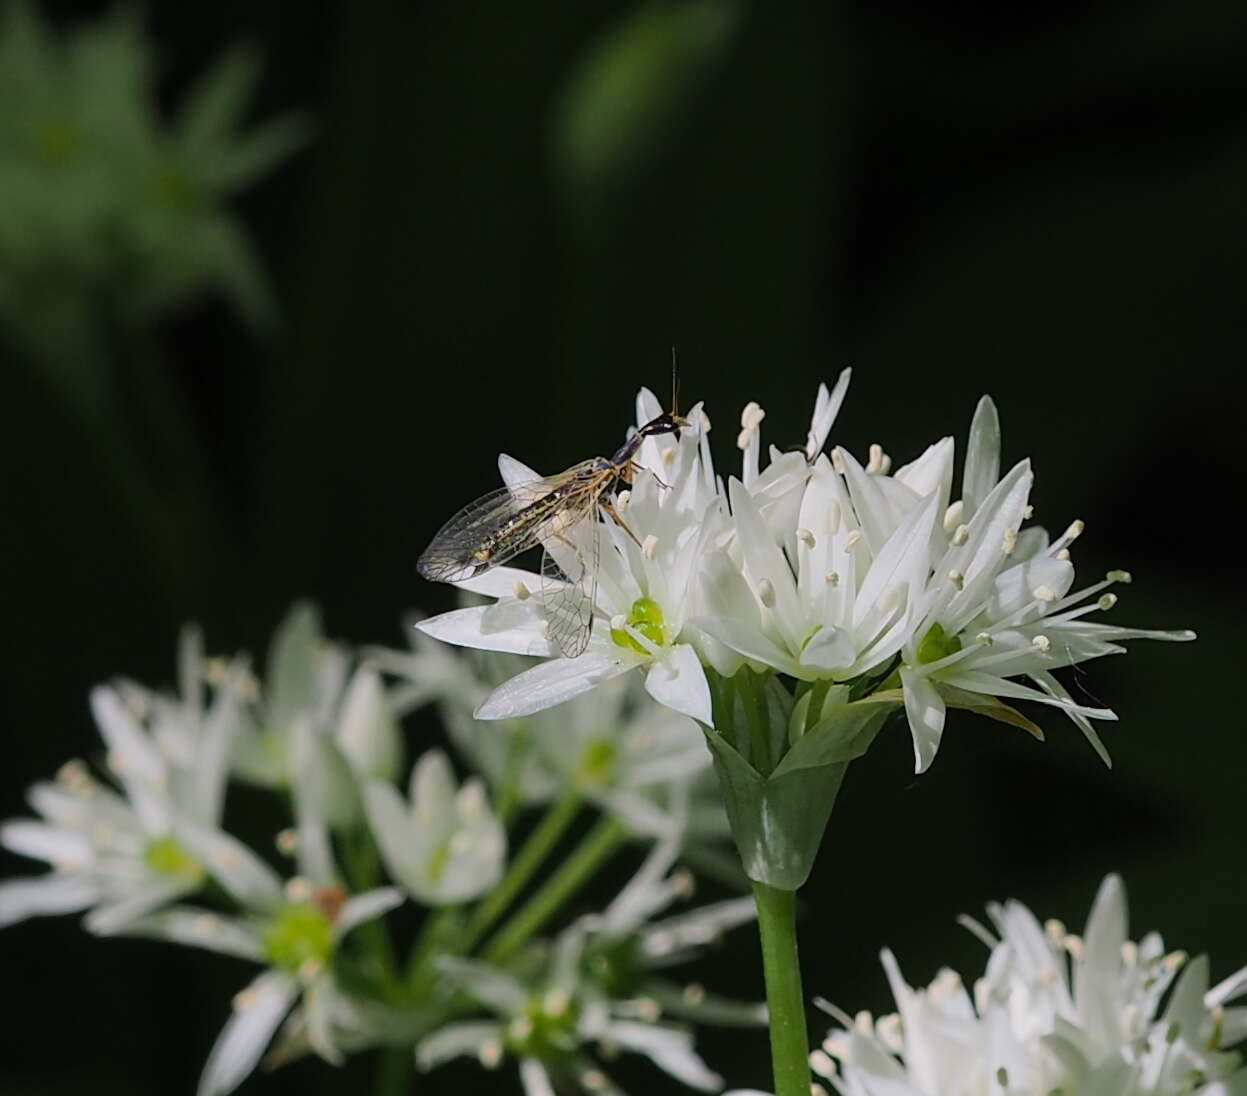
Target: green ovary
644, 617
166, 856
937, 644
299, 934
546, 1029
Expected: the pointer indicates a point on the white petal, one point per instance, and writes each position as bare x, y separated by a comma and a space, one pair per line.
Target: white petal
678, 681
365, 907
133, 758
535, 1079
432, 790
106, 920
391, 825
367, 732
43, 896
925, 709
470, 628
491, 986
829, 649
48, 843
992, 685
670, 1050
551, 683
460, 1040
1227, 989
201, 929
242, 1041
500, 582
826, 408
982, 456
515, 471
318, 1011
233, 865
930, 473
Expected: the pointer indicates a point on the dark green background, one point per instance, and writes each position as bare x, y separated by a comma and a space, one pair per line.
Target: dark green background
1045, 206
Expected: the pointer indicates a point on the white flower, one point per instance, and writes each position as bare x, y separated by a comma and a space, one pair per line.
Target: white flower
448, 846
648, 582
820, 569
616, 745
293, 928
319, 725
122, 856
997, 603
1053, 1012
602, 992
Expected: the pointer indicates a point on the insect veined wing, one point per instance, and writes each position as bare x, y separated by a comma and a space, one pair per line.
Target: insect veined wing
498, 526
569, 568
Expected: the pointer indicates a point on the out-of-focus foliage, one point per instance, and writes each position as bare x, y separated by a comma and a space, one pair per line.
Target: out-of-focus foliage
108, 211
633, 89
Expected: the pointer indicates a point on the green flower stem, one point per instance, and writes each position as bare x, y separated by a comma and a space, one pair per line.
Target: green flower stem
396, 1069
538, 846
439, 934
784, 1000
362, 862
598, 846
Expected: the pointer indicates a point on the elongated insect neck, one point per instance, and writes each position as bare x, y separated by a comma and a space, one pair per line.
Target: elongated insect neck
627, 451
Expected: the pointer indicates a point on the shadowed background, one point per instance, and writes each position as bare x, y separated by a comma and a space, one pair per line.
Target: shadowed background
504, 221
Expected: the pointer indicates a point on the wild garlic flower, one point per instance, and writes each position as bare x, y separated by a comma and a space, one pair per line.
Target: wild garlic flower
819, 569
1096, 1014
600, 993
319, 723
616, 745
124, 855
294, 928
448, 846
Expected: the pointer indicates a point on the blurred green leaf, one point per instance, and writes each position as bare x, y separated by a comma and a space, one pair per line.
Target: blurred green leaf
634, 88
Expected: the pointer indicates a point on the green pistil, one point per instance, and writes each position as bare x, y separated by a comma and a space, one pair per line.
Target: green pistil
615, 965
937, 644
546, 1029
299, 934
167, 857
644, 617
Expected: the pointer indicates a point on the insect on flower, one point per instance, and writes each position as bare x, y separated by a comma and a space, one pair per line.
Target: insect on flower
562, 513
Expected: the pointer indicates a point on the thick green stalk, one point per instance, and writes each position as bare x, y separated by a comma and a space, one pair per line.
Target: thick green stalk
598, 846
785, 1003
538, 846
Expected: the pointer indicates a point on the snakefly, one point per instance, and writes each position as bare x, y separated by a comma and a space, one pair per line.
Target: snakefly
562, 513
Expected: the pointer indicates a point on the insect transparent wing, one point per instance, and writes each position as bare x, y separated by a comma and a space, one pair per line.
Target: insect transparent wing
569, 586
454, 553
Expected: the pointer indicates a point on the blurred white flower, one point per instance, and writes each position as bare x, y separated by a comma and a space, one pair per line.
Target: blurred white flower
447, 846
319, 726
294, 928
600, 993
1053, 1012
122, 856
615, 745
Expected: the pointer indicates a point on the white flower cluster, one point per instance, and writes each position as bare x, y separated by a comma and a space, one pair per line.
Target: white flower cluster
1053, 1013
817, 567
146, 852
